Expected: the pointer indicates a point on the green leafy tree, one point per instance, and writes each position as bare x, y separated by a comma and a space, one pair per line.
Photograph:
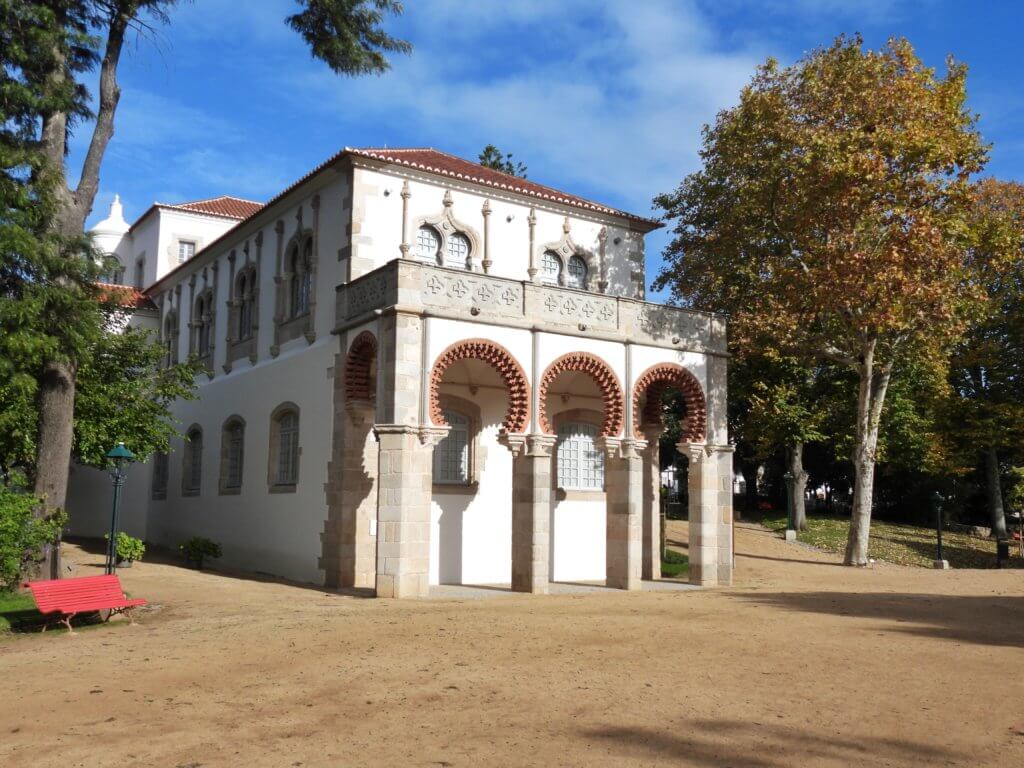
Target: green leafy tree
492, 157
986, 413
786, 411
23, 535
830, 216
47, 49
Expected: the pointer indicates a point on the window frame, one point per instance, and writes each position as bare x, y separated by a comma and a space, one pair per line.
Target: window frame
274, 458
579, 282
587, 428
161, 475
459, 425
546, 277
183, 244
226, 486
192, 462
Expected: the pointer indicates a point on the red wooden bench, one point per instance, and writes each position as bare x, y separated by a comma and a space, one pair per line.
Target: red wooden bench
86, 594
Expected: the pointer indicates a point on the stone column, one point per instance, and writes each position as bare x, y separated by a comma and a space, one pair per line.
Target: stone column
624, 492
651, 568
704, 512
353, 493
531, 510
722, 456
403, 509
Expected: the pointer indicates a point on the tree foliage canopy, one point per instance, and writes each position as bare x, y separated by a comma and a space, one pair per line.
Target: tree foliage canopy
492, 157
831, 219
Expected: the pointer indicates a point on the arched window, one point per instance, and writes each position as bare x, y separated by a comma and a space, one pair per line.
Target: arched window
245, 292
428, 243
577, 270
451, 455
160, 473
550, 268
232, 454
202, 324
114, 271
284, 448
305, 283
580, 464
170, 339
457, 251
192, 462
299, 264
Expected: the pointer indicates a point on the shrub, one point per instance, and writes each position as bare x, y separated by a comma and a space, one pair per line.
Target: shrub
197, 548
127, 548
23, 535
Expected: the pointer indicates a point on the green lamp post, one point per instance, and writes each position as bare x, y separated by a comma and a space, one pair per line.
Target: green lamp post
121, 458
790, 529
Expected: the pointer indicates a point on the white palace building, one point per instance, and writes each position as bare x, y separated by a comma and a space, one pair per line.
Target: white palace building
419, 371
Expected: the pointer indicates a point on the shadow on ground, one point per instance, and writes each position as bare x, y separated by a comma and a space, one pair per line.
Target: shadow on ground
982, 620
758, 745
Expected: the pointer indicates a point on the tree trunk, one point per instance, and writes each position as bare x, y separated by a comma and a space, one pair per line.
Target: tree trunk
994, 491
56, 410
870, 399
57, 377
798, 487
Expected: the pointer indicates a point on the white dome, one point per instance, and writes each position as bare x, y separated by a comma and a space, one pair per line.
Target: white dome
114, 224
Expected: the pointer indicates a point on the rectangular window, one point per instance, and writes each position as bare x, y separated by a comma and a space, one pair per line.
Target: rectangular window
186, 250
580, 464
160, 472
288, 450
140, 274
451, 455
235, 446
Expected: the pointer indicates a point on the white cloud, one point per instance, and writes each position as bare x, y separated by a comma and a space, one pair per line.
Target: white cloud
616, 106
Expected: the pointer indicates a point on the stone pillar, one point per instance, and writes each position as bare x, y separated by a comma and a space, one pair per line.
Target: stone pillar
354, 489
403, 509
624, 492
651, 568
531, 510
722, 456
704, 512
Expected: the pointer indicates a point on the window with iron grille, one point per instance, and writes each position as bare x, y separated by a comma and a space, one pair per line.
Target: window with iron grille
451, 455
577, 273
288, 448
428, 243
193, 462
550, 267
160, 473
458, 251
580, 463
235, 436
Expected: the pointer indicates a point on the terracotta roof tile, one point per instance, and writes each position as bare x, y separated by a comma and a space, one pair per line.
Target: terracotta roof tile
126, 296
225, 205
443, 164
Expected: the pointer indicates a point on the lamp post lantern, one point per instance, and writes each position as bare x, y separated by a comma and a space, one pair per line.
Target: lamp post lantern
790, 530
121, 458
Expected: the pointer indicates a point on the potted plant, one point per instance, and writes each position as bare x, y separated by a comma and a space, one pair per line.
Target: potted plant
127, 549
197, 548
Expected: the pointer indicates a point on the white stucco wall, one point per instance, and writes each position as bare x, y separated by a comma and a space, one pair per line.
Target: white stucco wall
471, 534
261, 531
378, 202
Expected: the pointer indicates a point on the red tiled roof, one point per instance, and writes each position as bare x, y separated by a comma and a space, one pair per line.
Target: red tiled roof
423, 159
443, 164
125, 296
225, 205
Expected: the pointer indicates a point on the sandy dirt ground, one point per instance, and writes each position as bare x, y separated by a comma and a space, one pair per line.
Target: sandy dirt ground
801, 663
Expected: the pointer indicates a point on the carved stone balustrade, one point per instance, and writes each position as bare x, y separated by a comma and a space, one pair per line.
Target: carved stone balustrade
415, 287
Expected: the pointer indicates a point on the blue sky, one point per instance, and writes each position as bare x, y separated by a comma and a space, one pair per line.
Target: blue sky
602, 98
